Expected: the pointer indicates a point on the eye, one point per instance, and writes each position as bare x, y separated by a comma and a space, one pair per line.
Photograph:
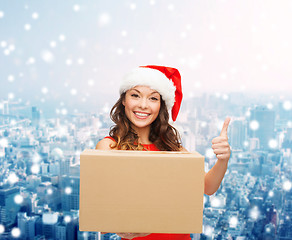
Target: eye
154, 98
134, 95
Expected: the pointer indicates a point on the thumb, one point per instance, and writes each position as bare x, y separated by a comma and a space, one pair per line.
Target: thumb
225, 126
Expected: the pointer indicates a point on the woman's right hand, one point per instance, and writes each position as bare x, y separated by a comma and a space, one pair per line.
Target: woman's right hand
132, 235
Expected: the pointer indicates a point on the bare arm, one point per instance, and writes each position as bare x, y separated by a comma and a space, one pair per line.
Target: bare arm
221, 148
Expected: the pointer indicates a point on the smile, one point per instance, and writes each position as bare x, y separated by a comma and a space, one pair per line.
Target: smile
141, 115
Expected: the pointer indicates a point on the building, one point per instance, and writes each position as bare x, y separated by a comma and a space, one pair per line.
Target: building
8, 207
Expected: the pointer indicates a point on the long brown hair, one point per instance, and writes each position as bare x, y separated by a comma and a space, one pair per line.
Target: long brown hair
162, 134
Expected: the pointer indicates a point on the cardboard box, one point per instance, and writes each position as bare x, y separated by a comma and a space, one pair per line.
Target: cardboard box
141, 191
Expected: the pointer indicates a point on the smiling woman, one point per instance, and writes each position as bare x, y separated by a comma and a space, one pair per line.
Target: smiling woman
142, 123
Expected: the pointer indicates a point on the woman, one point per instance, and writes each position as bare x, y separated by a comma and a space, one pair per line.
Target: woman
141, 123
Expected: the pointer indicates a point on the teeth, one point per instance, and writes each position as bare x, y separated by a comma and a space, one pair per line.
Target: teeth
141, 114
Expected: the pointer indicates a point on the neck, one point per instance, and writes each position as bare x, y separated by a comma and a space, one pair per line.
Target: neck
143, 134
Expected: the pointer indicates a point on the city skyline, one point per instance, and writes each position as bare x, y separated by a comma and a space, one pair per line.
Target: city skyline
40, 168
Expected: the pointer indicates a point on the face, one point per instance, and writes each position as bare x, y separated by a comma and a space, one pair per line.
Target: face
142, 105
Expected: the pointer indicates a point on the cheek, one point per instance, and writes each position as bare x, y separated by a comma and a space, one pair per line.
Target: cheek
157, 108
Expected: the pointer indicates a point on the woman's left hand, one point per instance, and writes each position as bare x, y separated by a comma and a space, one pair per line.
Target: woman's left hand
220, 144
132, 235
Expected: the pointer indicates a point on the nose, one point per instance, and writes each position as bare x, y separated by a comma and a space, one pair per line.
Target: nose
143, 103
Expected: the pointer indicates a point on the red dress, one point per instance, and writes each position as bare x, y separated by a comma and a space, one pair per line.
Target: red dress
159, 236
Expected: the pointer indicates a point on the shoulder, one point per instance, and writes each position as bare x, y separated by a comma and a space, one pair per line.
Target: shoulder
105, 144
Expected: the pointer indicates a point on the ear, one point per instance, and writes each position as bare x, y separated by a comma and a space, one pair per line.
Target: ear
123, 101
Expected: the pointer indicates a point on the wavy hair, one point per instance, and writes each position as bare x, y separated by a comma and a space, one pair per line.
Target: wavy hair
162, 134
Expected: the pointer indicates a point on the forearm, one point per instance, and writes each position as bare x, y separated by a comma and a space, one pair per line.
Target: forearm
214, 177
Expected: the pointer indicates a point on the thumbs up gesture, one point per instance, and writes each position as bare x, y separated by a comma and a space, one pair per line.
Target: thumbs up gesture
220, 144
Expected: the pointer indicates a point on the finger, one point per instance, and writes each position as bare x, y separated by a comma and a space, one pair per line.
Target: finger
219, 139
222, 156
221, 151
225, 127
224, 144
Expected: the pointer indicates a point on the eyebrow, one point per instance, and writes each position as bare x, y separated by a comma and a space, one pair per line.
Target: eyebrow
140, 92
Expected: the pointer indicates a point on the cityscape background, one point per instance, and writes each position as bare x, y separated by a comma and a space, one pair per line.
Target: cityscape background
61, 64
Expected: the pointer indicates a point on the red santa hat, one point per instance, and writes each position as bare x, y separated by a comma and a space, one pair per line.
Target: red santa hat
165, 80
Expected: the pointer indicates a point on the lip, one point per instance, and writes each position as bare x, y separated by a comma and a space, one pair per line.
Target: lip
141, 117
141, 112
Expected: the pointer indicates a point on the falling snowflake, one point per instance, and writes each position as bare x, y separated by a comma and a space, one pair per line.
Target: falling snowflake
1, 14
31, 60
152, 2
124, 33
270, 106
62, 38
271, 193
73, 91
254, 213
64, 111
208, 230
212, 27
10, 78
2, 229
69, 61
35, 168
209, 153
35, 15
6, 52
133, 6
80, 61
120, 51
233, 221
18, 199
36, 158
12, 178
45, 90
76, 8
160, 56
68, 190
287, 105
203, 124
273, 143
15, 232
287, 185
47, 56
104, 19
216, 202
11, 47
170, 7
131, 51
3, 44
4, 142
10, 95
27, 27
53, 44
49, 191
254, 125
90, 82
67, 219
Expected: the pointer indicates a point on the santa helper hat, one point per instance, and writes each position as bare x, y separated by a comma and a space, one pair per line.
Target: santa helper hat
165, 80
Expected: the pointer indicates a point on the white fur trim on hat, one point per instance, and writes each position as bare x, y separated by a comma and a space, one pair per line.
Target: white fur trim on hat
153, 78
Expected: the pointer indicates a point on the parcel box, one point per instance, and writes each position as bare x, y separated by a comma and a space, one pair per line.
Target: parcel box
141, 191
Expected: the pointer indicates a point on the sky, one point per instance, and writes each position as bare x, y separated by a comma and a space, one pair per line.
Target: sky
73, 54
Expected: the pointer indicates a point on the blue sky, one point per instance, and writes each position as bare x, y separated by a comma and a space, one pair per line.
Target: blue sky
74, 53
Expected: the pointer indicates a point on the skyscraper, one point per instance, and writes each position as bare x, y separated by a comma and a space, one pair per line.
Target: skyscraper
237, 133
261, 125
8, 207
35, 116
